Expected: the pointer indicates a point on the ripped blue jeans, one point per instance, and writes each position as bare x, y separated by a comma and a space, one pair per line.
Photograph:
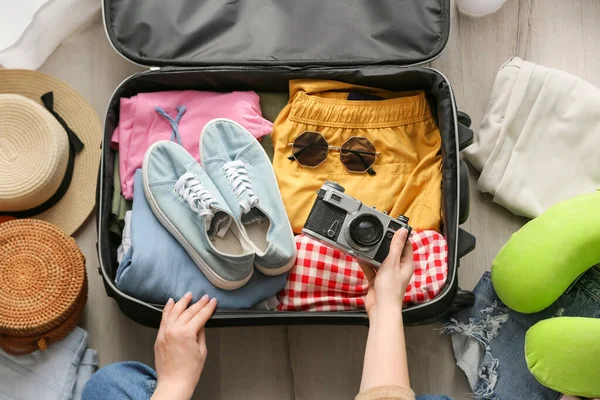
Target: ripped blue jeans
489, 338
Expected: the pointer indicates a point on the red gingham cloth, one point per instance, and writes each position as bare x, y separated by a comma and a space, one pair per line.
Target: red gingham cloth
324, 279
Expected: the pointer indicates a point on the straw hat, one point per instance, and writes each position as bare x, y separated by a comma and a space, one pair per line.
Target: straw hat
36, 144
43, 285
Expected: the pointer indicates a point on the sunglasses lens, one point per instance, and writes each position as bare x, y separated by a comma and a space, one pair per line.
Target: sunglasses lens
310, 149
358, 154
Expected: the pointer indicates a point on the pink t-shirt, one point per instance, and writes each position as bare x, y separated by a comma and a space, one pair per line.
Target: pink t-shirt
140, 125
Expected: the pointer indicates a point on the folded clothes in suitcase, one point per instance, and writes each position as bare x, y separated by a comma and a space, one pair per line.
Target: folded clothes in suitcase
217, 46
157, 267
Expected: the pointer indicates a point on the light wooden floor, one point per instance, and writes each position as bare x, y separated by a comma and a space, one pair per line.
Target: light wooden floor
316, 362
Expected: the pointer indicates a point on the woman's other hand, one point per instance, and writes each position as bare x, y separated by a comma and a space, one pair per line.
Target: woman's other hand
180, 348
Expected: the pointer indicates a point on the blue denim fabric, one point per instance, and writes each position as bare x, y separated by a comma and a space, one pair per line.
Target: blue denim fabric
157, 267
136, 381
121, 381
489, 338
58, 373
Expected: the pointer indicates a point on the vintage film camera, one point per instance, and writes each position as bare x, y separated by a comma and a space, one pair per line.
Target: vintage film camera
343, 222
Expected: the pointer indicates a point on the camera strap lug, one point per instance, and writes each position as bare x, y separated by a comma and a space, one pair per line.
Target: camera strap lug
333, 229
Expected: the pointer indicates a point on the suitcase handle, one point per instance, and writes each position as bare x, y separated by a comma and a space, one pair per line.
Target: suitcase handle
466, 243
463, 118
464, 201
465, 137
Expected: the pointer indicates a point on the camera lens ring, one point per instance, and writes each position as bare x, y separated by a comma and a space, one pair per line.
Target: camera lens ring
366, 230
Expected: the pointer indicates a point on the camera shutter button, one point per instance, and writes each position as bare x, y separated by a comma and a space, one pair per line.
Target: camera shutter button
403, 218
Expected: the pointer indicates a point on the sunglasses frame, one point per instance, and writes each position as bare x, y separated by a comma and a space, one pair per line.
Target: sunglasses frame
338, 149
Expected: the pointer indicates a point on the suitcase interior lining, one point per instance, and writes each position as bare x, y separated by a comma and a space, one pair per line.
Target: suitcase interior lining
275, 32
275, 79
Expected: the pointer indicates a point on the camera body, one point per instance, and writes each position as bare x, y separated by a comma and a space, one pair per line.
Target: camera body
345, 223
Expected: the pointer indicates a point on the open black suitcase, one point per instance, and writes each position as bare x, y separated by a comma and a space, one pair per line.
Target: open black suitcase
260, 45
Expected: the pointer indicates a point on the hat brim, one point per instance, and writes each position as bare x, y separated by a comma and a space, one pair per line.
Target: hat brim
78, 202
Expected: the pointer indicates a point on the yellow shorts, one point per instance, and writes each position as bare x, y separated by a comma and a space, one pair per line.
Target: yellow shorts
408, 170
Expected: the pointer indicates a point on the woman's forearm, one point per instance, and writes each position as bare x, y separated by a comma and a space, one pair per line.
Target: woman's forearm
385, 356
171, 392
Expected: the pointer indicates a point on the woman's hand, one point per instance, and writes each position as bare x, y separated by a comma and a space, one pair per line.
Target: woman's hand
180, 348
388, 285
385, 355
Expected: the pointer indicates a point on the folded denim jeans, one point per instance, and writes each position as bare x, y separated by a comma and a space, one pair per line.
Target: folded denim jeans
58, 373
489, 338
156, 267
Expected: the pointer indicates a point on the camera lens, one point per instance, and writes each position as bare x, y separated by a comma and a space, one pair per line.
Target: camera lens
366, 230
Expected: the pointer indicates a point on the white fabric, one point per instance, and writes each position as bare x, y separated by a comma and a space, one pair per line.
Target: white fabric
15, 17
59, 373
239, 180
539, 139
126, 238
32, 29
479, 8
87, 367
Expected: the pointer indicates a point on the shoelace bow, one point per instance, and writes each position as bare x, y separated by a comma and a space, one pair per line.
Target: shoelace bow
240, 182
197, 196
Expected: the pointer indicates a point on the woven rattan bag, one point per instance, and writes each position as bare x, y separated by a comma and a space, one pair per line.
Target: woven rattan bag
43, 285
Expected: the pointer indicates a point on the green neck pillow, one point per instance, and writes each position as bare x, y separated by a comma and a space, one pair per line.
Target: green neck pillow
564, 355
543, 258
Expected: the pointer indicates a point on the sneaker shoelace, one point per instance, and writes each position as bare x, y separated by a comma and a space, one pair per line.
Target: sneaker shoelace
197, 196
239, 180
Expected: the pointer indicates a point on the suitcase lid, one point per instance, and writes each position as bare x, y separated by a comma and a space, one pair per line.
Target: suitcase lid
193, 33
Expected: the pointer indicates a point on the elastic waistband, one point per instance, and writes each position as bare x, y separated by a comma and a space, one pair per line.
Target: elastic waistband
341, 113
